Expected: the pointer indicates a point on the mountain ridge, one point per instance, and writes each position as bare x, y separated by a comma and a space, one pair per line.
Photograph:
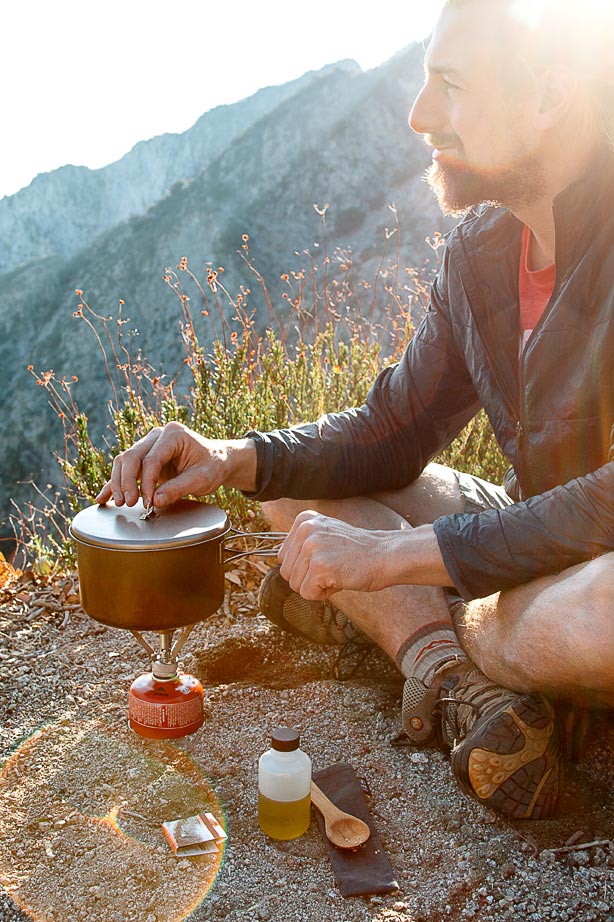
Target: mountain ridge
340, 139
135, 171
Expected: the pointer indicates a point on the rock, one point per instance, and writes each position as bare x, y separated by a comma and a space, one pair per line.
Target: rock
580, 859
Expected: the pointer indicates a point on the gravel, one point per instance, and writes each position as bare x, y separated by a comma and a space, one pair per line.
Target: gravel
82, 797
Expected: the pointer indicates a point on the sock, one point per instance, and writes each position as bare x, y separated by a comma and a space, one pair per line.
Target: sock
430, 648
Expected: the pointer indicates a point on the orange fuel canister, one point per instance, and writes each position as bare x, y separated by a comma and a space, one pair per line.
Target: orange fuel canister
165, 707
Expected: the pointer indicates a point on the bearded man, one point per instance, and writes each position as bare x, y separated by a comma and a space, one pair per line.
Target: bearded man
494, 602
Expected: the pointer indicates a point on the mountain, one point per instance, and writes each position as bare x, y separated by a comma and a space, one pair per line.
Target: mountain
61, 212
335, 136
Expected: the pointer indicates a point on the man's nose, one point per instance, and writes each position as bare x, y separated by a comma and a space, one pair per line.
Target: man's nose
425, 117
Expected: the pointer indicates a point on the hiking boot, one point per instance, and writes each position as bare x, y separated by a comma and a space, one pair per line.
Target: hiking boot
317, 621
506, 747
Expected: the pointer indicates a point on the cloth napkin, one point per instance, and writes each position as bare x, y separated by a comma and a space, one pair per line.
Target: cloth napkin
366, 870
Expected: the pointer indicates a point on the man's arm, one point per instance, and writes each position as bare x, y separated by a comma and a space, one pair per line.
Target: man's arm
322, 556
173, 461
499, 549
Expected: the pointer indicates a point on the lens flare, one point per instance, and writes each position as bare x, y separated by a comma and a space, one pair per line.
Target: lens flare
81, 808
530, 12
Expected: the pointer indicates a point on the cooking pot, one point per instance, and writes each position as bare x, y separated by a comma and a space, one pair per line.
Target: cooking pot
147, 571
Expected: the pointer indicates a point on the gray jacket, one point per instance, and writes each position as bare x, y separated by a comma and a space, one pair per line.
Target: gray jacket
552, 411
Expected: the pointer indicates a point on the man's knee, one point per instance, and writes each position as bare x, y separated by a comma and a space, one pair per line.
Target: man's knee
601, 581
281, 513
555, 635
435, 492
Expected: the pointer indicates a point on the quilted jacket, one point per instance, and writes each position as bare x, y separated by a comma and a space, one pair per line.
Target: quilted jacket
552, 410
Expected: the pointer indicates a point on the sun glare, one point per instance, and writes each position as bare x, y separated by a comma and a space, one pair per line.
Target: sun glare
567, 11
103, 77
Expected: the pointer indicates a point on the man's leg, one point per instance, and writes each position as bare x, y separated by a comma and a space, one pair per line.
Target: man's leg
391, 616
554, 635
508, 754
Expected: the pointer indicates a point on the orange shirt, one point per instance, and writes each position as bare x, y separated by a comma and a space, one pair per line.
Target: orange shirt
535, 288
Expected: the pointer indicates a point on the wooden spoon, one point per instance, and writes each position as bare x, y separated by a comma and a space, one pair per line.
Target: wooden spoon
342, 829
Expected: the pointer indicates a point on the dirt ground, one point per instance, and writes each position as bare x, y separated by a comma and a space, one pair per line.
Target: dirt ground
82, 797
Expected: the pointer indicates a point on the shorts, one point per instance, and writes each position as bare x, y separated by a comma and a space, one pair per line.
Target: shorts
479, 494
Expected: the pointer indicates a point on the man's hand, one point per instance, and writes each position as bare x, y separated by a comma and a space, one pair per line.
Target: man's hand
173, 461
322, 556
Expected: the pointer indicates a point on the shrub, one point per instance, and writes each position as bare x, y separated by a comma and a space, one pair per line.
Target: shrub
317, 351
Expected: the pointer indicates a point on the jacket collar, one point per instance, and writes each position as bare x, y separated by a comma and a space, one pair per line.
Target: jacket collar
582, 205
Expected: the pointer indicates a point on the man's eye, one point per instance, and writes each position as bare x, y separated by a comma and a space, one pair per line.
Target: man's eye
451, 86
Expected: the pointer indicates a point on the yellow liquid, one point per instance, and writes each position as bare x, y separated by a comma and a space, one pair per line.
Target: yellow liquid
283, 819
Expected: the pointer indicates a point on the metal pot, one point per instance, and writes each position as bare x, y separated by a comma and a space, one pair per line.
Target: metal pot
151, 573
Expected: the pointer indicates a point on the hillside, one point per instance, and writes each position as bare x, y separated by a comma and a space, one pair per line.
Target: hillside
338, 136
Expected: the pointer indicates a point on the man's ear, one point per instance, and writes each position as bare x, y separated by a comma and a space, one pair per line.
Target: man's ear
558, 89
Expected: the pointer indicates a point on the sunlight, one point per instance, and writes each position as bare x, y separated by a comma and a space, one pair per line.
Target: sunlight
566, 12
102, 77
82, 787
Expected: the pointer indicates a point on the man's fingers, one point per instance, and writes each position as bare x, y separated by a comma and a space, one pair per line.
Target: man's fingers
123, 483
302, 563
105, 494
115, 482
294, 569
292, 547
173, 489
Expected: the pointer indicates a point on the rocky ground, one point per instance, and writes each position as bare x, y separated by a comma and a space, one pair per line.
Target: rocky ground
82, 797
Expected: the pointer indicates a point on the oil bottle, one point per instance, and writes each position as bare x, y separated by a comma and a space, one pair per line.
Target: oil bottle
284, 786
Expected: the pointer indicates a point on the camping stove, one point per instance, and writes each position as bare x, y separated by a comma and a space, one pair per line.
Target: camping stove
165, 703
160, 573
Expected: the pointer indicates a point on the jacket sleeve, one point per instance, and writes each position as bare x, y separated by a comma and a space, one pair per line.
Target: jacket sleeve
499, 549
413, 410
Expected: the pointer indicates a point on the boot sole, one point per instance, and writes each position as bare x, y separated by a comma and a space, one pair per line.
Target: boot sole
511, 761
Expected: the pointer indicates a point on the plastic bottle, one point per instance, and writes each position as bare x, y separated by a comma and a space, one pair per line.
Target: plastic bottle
284, 787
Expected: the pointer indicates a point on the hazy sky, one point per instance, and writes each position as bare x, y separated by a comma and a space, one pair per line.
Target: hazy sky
84, 80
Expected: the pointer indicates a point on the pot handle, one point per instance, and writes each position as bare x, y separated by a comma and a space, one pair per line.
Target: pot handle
263, 541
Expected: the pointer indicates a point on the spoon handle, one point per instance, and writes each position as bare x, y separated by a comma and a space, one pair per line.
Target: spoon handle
324, 805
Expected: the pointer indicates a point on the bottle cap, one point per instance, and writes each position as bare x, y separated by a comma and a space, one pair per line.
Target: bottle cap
284, 739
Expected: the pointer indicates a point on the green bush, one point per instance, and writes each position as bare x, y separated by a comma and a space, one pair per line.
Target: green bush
319, 350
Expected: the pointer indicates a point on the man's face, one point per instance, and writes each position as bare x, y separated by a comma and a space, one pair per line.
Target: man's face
478, 124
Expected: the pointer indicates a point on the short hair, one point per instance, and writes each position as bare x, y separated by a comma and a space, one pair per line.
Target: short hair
578, 34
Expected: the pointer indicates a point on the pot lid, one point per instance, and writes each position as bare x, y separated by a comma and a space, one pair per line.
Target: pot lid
122, 528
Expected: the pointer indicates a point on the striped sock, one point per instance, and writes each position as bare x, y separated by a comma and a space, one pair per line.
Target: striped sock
430, 648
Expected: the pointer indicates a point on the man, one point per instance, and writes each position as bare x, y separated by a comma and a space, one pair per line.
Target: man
521, 321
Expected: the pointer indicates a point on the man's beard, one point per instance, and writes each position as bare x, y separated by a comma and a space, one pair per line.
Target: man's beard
458, 187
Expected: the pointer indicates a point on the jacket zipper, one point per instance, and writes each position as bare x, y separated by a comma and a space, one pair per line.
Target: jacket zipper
519, 467
506, 392
522, 473
521, 426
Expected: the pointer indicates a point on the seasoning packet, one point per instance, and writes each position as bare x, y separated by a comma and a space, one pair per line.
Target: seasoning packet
196, 835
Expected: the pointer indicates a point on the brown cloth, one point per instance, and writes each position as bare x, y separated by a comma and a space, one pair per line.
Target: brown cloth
366, 870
